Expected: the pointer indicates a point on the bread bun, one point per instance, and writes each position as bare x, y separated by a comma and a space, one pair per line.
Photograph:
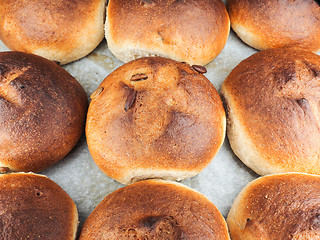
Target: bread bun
34, 207
280, 206
42, 112
189, 31
155, 118
276, 23
273, 111
155, 209
60, 30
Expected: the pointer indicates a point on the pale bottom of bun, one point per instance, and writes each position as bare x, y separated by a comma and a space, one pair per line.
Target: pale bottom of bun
74, 54
126, 52
247, 37
143, 174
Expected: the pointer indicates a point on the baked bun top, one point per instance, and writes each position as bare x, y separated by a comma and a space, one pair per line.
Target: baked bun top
155, 209
155, 118
42, 112
190, 31
280, 206
60, 30
34, 207
273, 111
276, 23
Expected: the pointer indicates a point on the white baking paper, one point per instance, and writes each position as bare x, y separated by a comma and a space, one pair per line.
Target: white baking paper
79, 176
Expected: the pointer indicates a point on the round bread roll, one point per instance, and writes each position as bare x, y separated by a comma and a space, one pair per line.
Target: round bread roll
60, 30
190, 31
155, 209
34, 207
155, 118
42, 112
273, 111
276, 23
279, 206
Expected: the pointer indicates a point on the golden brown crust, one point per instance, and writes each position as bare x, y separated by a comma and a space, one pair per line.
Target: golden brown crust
190, 31
59, 30
172, 129
280, 206
273, 111
276, 23
155, 210
34, 207
43, 110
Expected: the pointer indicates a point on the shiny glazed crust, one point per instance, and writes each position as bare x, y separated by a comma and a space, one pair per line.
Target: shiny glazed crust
42, 112
280, 206
60, 30
155, 209
34, 207
190, 31
273, 111
276, 23
173, 128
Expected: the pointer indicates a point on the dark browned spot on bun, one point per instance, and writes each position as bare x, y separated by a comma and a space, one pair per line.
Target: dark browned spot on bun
199, 69
3, 69
139, 77
131, 97
96, 92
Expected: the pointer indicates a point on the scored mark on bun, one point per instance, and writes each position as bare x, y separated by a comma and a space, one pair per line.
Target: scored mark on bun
199, 68
96, 92
130, 98
138, 77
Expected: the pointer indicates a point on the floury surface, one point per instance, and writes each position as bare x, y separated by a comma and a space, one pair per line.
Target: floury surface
79, 176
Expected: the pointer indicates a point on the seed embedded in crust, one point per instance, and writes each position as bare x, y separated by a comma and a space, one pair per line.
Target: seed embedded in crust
143, 2
199, 69
139, 77
130, 99
96, 92
4, 169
